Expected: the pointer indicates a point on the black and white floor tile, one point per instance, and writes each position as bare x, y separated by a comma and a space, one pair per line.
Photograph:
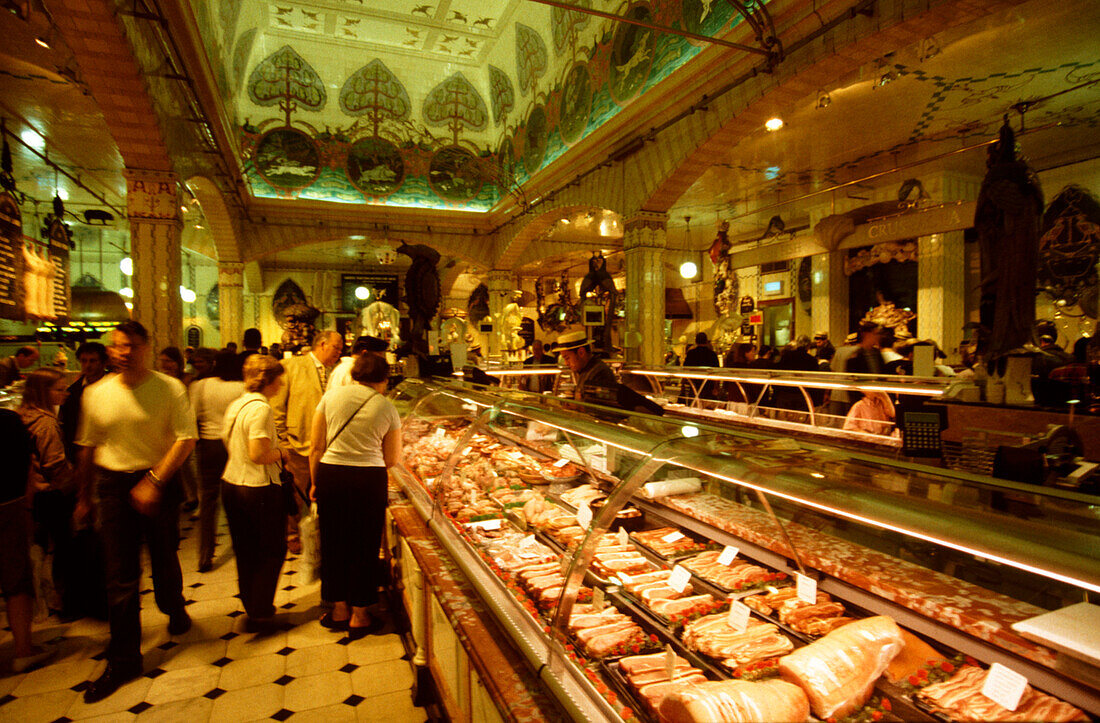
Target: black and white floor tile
218, 672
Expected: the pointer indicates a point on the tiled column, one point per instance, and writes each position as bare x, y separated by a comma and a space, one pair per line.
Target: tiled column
231, 301
501, 284
152, 206
830, 300
941, 283
644, 245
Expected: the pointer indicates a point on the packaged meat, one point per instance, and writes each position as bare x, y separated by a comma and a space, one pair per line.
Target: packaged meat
914, 655
961, 699
838, 672
713, 636
736, 701
667, 541
664, 488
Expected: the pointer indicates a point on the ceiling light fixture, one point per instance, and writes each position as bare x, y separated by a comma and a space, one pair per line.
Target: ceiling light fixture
362, 293
688, 270
774, 124
187, 294
126, 292
32, 139
127, 266
43, 41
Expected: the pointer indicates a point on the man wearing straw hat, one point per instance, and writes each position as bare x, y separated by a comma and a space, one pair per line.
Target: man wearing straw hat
589, 372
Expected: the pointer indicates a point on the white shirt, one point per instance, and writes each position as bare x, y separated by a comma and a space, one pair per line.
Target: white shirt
132, 429
360, 442
210, 397
341, 375
248, 417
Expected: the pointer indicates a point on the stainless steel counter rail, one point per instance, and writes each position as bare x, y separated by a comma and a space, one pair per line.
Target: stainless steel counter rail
568, 685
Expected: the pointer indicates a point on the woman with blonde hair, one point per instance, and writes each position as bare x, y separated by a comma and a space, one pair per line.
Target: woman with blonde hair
251, 491
52, 485
356, 436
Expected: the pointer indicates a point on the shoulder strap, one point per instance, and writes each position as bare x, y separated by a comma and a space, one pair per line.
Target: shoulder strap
229, 434
348, 421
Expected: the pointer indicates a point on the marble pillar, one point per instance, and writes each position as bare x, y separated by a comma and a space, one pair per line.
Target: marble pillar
231, 302
830, 296
501, 284
153, 211
644, 243
941, 289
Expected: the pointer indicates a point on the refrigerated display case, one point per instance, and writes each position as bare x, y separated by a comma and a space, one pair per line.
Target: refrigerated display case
553, 508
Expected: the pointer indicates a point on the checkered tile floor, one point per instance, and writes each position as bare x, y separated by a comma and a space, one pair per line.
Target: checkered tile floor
217, 672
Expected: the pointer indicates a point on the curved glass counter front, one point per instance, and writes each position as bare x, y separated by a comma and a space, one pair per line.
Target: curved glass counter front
570, 507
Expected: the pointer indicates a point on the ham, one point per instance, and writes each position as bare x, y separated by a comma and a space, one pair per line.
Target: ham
735, 701
601, 645
636, 581
668, 608
838, 672
661, 592
713, 636
642, 663
960, 698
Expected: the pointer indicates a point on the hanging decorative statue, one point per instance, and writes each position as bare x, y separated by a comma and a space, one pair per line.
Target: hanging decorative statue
511, 323
561, 313
598, 278
381, 319
725, 277
1070, 248
422, 293
1008, 217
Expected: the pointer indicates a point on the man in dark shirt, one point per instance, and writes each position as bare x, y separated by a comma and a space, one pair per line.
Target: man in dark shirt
93, 365
12, 367
700, 355
867, 358
589, 372
539, 382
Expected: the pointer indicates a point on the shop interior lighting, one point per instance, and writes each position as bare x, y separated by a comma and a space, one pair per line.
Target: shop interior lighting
129, 305
61, 193
32, 139
688, 270
187, 294
884, 387
689, 431
774, 124
127, 266
362, 293
126, 292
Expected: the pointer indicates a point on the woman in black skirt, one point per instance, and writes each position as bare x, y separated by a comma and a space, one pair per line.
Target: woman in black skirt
254, 504
356, 436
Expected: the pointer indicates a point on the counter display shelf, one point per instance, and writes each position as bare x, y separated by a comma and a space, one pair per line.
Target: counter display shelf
606, 543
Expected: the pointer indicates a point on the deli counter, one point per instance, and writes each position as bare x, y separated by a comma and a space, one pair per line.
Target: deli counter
650, 568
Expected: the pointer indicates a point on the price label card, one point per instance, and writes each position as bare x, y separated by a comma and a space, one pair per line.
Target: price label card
598, 599
584, 516
807, 588
440, 432
624, 537
488, 524
515, 454
679, 578
728, 555
673, 536
467, 451
1004, 686
528, 541
561, 463
625, 579
670, 661
491, 447
738, 616
599, 464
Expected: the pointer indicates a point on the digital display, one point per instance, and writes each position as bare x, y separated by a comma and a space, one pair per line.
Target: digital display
773, 287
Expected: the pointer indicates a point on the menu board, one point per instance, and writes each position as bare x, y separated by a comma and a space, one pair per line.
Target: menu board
11, 257
62, 295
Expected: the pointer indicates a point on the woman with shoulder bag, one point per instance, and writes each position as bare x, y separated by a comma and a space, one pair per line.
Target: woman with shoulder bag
251, 492
356, 437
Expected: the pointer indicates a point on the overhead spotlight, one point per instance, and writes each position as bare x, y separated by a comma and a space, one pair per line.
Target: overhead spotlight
774, 124
43, 41
688, 270
362, 293
32, 139
824, 100
127, 266
188, 295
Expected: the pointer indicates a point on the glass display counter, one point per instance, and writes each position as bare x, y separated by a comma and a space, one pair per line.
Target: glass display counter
641, 562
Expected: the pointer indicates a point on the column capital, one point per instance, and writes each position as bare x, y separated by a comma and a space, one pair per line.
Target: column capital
230, 274
152, 196
501, 279
646, 219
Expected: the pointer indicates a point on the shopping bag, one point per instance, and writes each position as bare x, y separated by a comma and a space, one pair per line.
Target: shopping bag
309, 530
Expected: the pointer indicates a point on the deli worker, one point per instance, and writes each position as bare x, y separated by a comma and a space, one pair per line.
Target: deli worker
590, 374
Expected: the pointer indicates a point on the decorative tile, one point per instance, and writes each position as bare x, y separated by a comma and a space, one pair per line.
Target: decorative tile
321, 659
169, 645
155, 672
252, 703
316, 691
7, 699
188, 656
247, 646
222, 662
195, 585
380, 678
236, 613
64, 719
288, 588
214, 694
287, 606
229, 636
282, 714
42, 707
252, 671
177, 685
329, 714
55, 677
354, 700
122, 700
391, 708
285, 679
189, 709
375, 649
350, 667
140, 708
285, 651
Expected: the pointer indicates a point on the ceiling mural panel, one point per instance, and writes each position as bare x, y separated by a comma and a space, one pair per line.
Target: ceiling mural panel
439, 72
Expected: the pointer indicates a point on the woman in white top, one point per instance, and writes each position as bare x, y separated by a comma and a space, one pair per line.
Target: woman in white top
210, 398
356, 435
251, 493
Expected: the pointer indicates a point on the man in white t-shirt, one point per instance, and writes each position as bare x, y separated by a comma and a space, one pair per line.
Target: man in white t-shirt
136, 429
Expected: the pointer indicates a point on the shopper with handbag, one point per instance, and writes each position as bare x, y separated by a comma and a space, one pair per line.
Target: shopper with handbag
253, 493
356, 436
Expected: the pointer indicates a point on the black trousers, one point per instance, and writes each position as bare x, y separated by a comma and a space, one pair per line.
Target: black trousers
212, 457
351, 504
121, 529
257, 527
53, 518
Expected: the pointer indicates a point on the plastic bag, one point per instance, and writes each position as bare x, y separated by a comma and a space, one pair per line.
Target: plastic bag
309, 530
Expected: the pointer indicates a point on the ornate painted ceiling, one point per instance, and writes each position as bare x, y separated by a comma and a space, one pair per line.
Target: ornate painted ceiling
447, 104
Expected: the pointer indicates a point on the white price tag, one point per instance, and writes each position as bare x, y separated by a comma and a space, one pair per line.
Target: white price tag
440, 432
598, 599
1004, 686
584, 516
561, 463
488, 524
807, 588
528, 541
679, 578
670, 661
625, 579
515, 454
728, 555
599, 464
738, 616
624, 538
467, 451
673, 536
